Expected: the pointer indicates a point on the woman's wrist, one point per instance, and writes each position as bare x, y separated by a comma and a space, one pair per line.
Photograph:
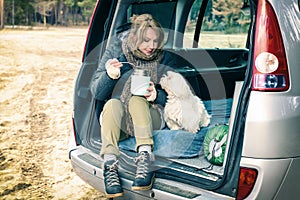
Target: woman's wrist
113, 72
153, 95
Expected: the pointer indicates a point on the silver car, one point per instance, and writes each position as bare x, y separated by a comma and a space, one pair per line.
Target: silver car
242, 59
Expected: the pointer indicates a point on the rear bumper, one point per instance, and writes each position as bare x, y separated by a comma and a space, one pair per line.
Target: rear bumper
87, 165
277, 178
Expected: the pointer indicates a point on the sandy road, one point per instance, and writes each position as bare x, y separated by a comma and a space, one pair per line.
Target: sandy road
37, 74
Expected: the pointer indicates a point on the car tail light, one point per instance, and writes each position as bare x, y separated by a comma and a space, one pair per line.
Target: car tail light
246, 182
270, 70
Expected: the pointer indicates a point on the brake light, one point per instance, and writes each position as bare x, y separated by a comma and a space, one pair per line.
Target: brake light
270, 70
246, 182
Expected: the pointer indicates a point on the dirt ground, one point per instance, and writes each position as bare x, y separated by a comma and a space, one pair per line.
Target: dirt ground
37, 75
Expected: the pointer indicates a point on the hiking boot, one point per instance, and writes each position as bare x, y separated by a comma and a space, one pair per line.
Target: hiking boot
113, 187
144, 177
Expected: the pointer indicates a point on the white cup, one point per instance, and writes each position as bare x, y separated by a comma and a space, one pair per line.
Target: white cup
140, 81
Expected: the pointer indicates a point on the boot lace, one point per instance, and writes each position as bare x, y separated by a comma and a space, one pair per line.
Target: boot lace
112, 177
142, 162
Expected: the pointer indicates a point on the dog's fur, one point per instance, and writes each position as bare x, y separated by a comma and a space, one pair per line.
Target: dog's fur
183, 110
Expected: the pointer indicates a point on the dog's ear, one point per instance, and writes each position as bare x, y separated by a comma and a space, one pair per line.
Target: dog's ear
163, 81
180, 86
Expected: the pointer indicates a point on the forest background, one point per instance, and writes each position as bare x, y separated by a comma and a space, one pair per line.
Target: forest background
18, 13
45, 12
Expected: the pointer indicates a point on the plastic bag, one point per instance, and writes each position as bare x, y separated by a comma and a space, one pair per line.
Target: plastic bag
214, 144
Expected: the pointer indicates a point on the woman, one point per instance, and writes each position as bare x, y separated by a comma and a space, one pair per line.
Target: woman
127, 114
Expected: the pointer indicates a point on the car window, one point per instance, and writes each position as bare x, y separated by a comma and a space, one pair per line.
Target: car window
225, 25
162, 11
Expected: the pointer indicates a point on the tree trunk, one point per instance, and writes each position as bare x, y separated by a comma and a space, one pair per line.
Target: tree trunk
45, 18
60, 12
1, 14
13, 13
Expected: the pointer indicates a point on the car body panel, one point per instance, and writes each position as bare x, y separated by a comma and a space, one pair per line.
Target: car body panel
275, 133
272, 117
270, 175
290, 187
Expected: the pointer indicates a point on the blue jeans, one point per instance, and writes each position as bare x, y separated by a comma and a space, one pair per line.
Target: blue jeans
183, 144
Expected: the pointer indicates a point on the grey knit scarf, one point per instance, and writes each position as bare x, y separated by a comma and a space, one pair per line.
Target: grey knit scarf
139, 61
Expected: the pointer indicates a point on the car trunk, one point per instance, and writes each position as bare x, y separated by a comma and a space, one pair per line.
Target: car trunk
215, 85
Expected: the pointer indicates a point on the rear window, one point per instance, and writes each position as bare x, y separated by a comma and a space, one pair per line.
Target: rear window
224, 25
162, 11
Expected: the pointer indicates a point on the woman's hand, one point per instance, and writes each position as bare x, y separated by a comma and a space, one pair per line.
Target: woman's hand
151, 95
113, 67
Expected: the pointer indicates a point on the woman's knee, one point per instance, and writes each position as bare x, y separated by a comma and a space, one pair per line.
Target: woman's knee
112, 103
137, 101
112, 114
112, 107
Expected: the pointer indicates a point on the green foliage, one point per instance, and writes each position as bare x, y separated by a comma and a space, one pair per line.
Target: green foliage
63, 12
220, 15
226, 16
87, 6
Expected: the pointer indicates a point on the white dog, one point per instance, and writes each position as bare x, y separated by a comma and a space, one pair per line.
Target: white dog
183, 110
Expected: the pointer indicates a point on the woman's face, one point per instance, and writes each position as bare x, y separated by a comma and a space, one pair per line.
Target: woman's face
149, 43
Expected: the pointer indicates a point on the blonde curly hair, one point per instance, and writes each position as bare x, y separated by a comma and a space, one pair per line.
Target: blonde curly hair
139, 26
